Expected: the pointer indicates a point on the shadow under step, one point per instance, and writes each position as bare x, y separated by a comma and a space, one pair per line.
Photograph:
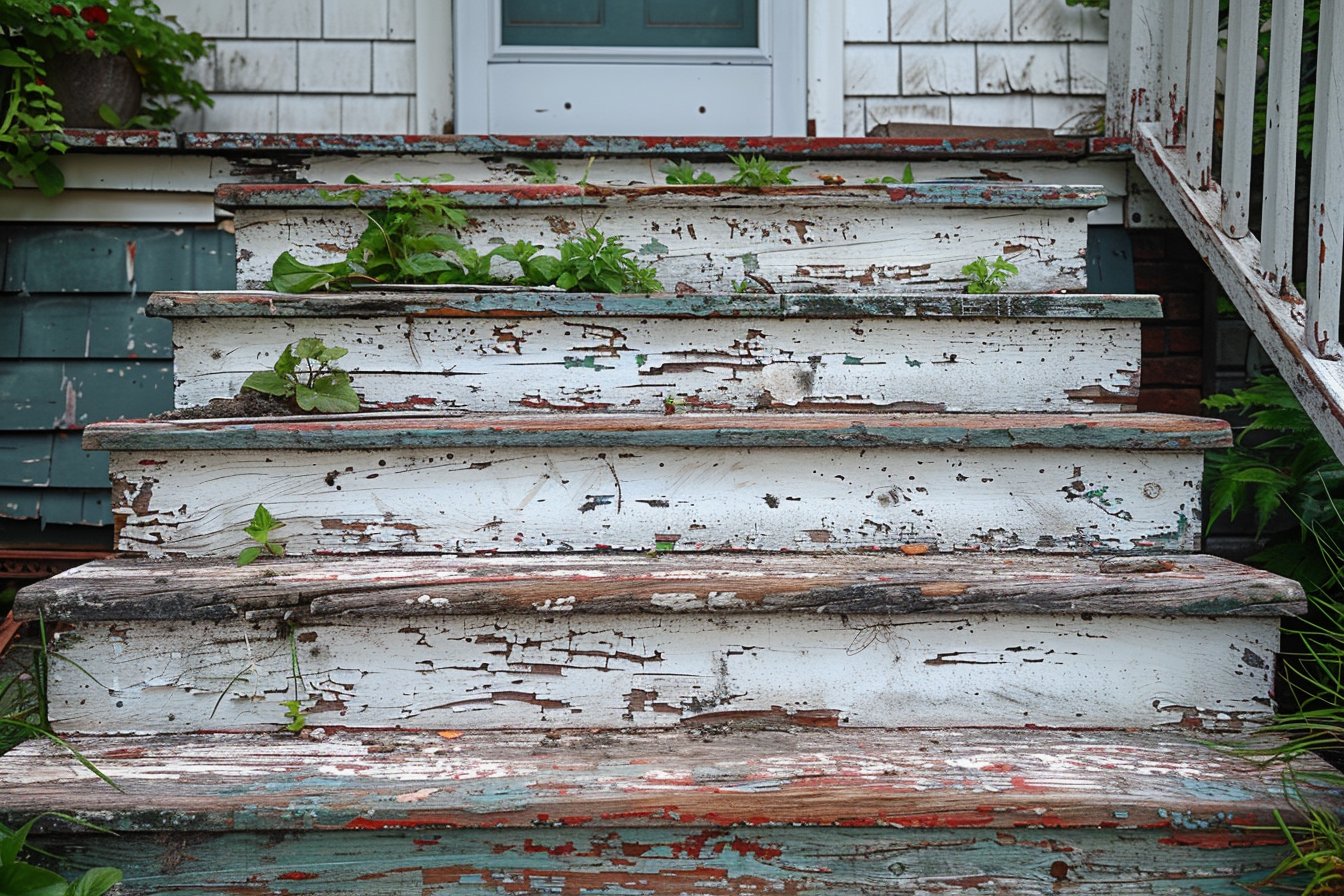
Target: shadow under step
439, 349
708, 810
851, 238
639, 482
619, 641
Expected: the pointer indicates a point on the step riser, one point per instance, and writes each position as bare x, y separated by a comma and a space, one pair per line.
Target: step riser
646, 671
632, 364
795, 248
196, 503
694, 859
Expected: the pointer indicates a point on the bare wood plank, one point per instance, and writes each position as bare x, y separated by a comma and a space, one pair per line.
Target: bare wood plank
348, 588
997, 780
1325, 247
699, 858
1239, 115
1117, 432
445, 302
504, 364
1285, 73
710, 247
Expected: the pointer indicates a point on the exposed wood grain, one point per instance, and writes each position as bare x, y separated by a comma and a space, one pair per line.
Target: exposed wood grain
420, 587
638, 364
463, 499
445, 302
611, 671
1010, 781
822, 247
695, 859
1140, 432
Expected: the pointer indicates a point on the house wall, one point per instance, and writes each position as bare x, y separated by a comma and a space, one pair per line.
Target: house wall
349, 66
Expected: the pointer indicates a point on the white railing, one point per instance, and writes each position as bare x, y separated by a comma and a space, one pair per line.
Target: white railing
1165, 93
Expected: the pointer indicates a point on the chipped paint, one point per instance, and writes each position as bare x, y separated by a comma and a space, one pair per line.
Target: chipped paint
501, 364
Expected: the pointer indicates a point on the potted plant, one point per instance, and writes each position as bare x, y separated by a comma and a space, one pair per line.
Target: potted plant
118, 63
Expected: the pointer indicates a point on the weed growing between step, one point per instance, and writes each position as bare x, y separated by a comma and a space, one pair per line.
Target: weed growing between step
414, 240
306, 374
987, 276
261, 530
1281, 470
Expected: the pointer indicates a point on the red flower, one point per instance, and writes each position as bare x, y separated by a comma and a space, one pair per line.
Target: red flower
94, 15
58, 9
91, 34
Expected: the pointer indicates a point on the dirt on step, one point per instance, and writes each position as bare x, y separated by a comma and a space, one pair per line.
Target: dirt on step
244, 404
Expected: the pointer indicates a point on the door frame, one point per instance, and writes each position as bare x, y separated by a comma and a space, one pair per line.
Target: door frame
476, 40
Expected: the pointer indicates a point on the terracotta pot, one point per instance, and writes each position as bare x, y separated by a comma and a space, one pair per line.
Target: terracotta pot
84, 82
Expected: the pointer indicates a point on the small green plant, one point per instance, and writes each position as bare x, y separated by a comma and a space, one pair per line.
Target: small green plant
261, 530
907, 177
543, 171
306, 373
294, 707
683, 173
591, 262
19, 878
758, 172
986, 276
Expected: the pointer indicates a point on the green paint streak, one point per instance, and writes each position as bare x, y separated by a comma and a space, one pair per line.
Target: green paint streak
641, 360
589, 362
911, 362
652, 247
750, 262
850, 359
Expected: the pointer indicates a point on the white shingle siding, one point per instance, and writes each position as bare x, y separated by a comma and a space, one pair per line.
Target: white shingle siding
1008, 63
349, 66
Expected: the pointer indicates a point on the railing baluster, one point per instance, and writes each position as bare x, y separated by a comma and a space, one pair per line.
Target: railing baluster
1326, 231
1199, 104
1175, 59
1239, 114
1285, 73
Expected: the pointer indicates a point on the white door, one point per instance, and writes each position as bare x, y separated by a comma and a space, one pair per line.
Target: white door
646, 67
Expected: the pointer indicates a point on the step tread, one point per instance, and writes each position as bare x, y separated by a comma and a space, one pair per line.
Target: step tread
580, 145
939, 778
473, 302
549, 584
1161, 432
868, 583
945, 194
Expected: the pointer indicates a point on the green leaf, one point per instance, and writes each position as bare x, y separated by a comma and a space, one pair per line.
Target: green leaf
290, 275
286, 364
10, 59
22, 879
276, 548
354, 179
333, 353
328, 397
49, 179
262, 519
908, 175
12, 843
248, 555
308, 348
109, 115
96, 882
269, 382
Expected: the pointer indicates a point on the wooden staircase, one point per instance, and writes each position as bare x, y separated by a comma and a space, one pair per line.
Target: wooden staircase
863, 585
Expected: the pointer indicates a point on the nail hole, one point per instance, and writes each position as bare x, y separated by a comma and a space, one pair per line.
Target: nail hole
569, 105
702, 110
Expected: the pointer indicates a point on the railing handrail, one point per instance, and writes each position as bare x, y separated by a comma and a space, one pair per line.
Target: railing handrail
1163, 96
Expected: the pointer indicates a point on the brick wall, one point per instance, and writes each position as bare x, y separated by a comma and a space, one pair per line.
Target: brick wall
325, 66
1018, 63
1173, 362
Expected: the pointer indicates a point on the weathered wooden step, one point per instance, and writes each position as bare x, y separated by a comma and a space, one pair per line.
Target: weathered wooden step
799, 238
688, 481
501, 351
706, 811
597, 641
